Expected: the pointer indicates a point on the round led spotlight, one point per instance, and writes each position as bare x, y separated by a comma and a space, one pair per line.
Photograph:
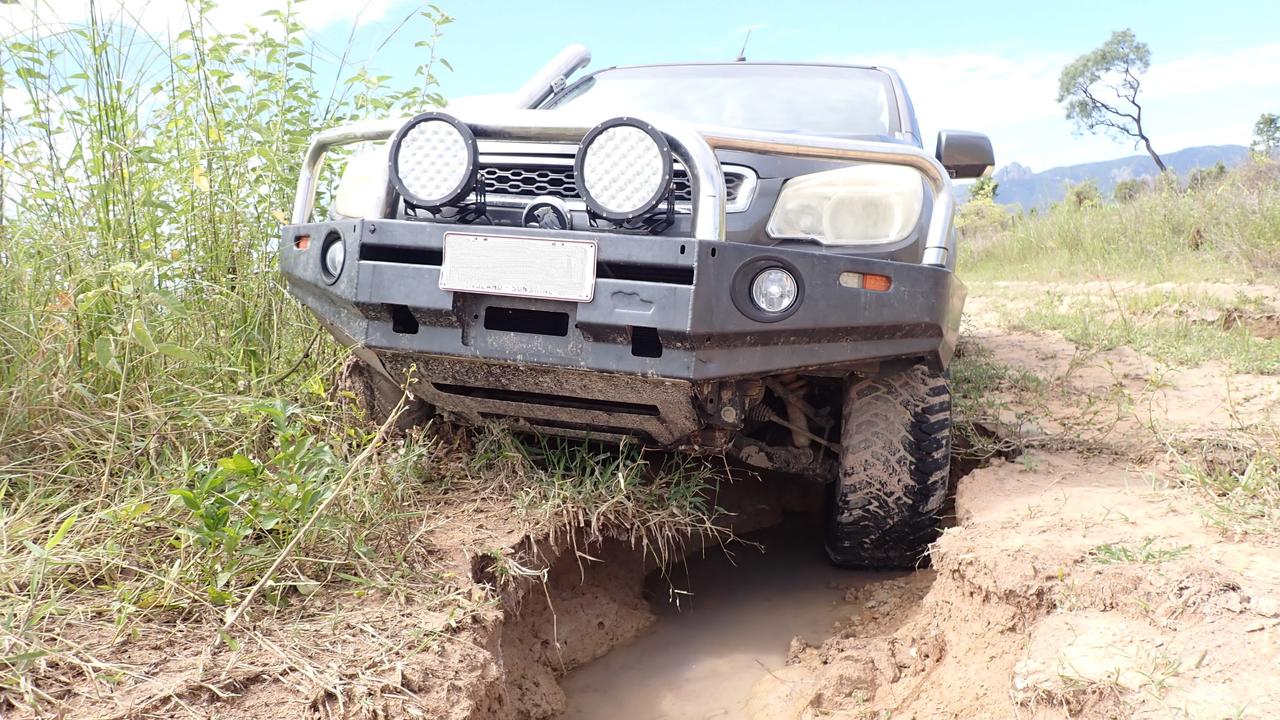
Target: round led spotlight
433, 160
623, 168
774, 290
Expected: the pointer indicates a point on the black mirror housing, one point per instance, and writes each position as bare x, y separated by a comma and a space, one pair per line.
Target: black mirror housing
965, 154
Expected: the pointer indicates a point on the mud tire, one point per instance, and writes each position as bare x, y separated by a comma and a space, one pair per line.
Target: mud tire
893, 475
376, 397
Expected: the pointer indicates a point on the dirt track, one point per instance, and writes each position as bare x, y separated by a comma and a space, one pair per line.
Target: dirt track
1078, 581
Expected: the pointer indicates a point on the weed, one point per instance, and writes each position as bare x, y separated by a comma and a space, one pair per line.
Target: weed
992, 402
1145, 553
242, 509
1238, 482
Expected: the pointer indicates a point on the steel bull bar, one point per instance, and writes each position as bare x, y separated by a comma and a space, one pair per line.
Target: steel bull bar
695, 146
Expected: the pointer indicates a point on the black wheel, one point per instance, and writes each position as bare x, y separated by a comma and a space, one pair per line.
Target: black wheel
377, 395
893, 474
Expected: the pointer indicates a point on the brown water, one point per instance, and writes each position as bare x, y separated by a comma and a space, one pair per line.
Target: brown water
734, 626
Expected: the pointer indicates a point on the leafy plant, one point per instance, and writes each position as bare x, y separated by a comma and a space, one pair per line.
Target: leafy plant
242, 509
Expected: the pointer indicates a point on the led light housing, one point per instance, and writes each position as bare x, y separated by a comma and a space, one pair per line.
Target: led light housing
774, 290
433, 160
623, 169
362, 189
333, 256
860, 205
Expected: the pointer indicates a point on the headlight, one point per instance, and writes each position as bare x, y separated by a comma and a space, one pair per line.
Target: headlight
433, 160
362, 189
860, 205
623, 169
773, 290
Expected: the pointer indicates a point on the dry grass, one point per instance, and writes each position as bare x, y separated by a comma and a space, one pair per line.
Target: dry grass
1228, 229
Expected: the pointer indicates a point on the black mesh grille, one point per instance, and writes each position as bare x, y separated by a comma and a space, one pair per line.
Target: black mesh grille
560, 182
530, 181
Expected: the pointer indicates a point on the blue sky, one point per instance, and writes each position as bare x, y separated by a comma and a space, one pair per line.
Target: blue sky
989, 66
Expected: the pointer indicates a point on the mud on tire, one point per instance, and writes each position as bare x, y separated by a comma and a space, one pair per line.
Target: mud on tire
893, 474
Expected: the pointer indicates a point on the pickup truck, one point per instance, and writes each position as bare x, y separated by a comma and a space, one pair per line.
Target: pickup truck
742, 258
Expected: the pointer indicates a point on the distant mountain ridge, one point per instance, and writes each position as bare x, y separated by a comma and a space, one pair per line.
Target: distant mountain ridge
1020, 186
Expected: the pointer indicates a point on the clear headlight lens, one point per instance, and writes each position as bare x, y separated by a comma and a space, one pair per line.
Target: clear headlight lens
433, 160
860, 205
624, 169
773, 290
364, 180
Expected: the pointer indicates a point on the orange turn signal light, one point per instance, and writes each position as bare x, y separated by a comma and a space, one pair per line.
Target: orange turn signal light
879, 283
866, 281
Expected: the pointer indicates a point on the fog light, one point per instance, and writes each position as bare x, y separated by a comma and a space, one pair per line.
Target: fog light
774, 290
335, 256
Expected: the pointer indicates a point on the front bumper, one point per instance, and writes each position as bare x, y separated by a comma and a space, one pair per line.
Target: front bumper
662, 321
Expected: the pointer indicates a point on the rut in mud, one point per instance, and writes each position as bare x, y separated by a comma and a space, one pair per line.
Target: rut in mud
611, 634
1084, 578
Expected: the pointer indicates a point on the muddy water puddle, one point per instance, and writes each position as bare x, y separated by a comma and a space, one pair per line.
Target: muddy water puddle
733, 624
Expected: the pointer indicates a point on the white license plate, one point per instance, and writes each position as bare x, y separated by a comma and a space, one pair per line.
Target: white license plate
519, 266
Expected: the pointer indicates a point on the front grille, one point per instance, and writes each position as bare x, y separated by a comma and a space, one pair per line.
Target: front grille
560, 182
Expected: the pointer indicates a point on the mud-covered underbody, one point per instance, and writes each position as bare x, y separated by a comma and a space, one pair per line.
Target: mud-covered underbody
663, 351
779, 422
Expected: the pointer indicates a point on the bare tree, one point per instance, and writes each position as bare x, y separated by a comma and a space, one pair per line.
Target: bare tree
1099, 90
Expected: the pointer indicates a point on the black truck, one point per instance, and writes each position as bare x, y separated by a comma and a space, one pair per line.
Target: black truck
754, 259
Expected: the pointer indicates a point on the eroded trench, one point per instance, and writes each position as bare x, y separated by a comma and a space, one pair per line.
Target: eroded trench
612, 634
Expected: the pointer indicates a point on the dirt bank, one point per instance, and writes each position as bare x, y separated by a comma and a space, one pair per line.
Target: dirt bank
1071, 588
1083, 579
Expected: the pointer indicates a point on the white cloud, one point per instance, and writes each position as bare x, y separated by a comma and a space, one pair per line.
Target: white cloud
1233, 69
1206, 98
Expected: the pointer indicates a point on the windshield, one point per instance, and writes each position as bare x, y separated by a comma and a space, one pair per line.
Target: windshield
806, 99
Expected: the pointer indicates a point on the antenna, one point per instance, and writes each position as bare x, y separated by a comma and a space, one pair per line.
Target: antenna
742, 54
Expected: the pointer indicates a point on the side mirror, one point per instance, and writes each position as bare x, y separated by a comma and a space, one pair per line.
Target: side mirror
965, 154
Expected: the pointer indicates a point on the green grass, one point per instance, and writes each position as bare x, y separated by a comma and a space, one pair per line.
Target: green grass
992, 401
173, 437
168, 420
1169, 327
1144, 553
1239, 483
655, 500
1227, 230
